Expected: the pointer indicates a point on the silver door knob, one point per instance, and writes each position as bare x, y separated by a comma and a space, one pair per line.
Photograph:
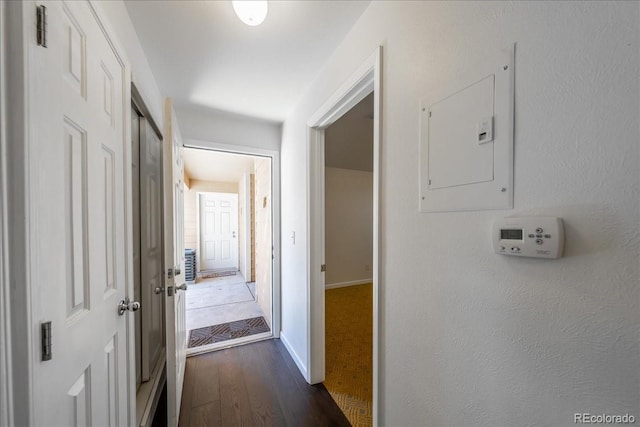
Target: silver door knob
158, 290
127, 305
182, 287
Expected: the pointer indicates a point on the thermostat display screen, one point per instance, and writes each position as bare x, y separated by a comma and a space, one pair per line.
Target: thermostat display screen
512, 234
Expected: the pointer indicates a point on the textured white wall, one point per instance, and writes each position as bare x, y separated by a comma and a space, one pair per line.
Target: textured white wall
469, 337
348, 225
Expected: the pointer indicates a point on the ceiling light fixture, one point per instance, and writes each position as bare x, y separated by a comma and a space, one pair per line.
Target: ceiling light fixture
251, 12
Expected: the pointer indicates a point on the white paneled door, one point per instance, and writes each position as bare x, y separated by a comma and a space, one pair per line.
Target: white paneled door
77, 98
218, 230
175, 287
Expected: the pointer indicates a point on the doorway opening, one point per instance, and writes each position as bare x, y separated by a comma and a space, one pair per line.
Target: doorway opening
348, 213
364, 82
228, 248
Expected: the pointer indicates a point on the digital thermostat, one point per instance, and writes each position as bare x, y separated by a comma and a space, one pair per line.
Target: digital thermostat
534, 236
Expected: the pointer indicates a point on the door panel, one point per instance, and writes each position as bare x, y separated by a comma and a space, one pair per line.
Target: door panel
135, 191
151, 248
218, 230
176, 334
76, 95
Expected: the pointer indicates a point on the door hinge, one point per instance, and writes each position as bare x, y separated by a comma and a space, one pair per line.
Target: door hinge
45, 339
323, 267
41, 26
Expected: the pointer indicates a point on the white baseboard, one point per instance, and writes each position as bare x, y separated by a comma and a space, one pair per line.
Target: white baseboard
294, 356
344, 284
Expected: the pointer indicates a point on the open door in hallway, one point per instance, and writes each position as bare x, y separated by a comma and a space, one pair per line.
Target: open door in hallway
175, 286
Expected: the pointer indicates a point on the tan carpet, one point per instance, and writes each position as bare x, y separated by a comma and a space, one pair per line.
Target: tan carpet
349, 348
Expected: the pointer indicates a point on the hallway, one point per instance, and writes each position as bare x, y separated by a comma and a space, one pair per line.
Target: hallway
255, 384
219, 300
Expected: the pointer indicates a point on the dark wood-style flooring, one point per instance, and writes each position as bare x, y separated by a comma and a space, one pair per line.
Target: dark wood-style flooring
253, 385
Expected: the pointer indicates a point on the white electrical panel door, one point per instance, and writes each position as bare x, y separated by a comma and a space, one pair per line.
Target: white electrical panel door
466, 139
456, 157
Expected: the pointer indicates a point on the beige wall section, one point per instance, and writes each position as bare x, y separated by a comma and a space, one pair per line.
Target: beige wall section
348, 226
263, 235
244, 226
191, 206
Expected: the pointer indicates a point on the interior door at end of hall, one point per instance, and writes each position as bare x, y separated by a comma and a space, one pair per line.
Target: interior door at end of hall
77, 91
218, 230
175, 287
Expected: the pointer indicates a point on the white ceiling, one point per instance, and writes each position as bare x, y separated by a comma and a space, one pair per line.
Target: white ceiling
202, 54
215, 166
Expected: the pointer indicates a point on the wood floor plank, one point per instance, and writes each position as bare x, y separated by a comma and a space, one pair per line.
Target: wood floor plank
206, 387
254, 385
235, 406
265, 407
296, 405
206, 415
318, 397
187, 391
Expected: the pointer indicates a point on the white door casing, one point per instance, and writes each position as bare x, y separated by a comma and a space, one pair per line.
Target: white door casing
78, 101
6, 410
176, 333
274, 155
218, 224
135, 226
366, 79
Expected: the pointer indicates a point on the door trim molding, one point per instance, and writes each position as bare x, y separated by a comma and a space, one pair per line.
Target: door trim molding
20, 349
6, 379
198, 243
275, 213
141, 105
366, 79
